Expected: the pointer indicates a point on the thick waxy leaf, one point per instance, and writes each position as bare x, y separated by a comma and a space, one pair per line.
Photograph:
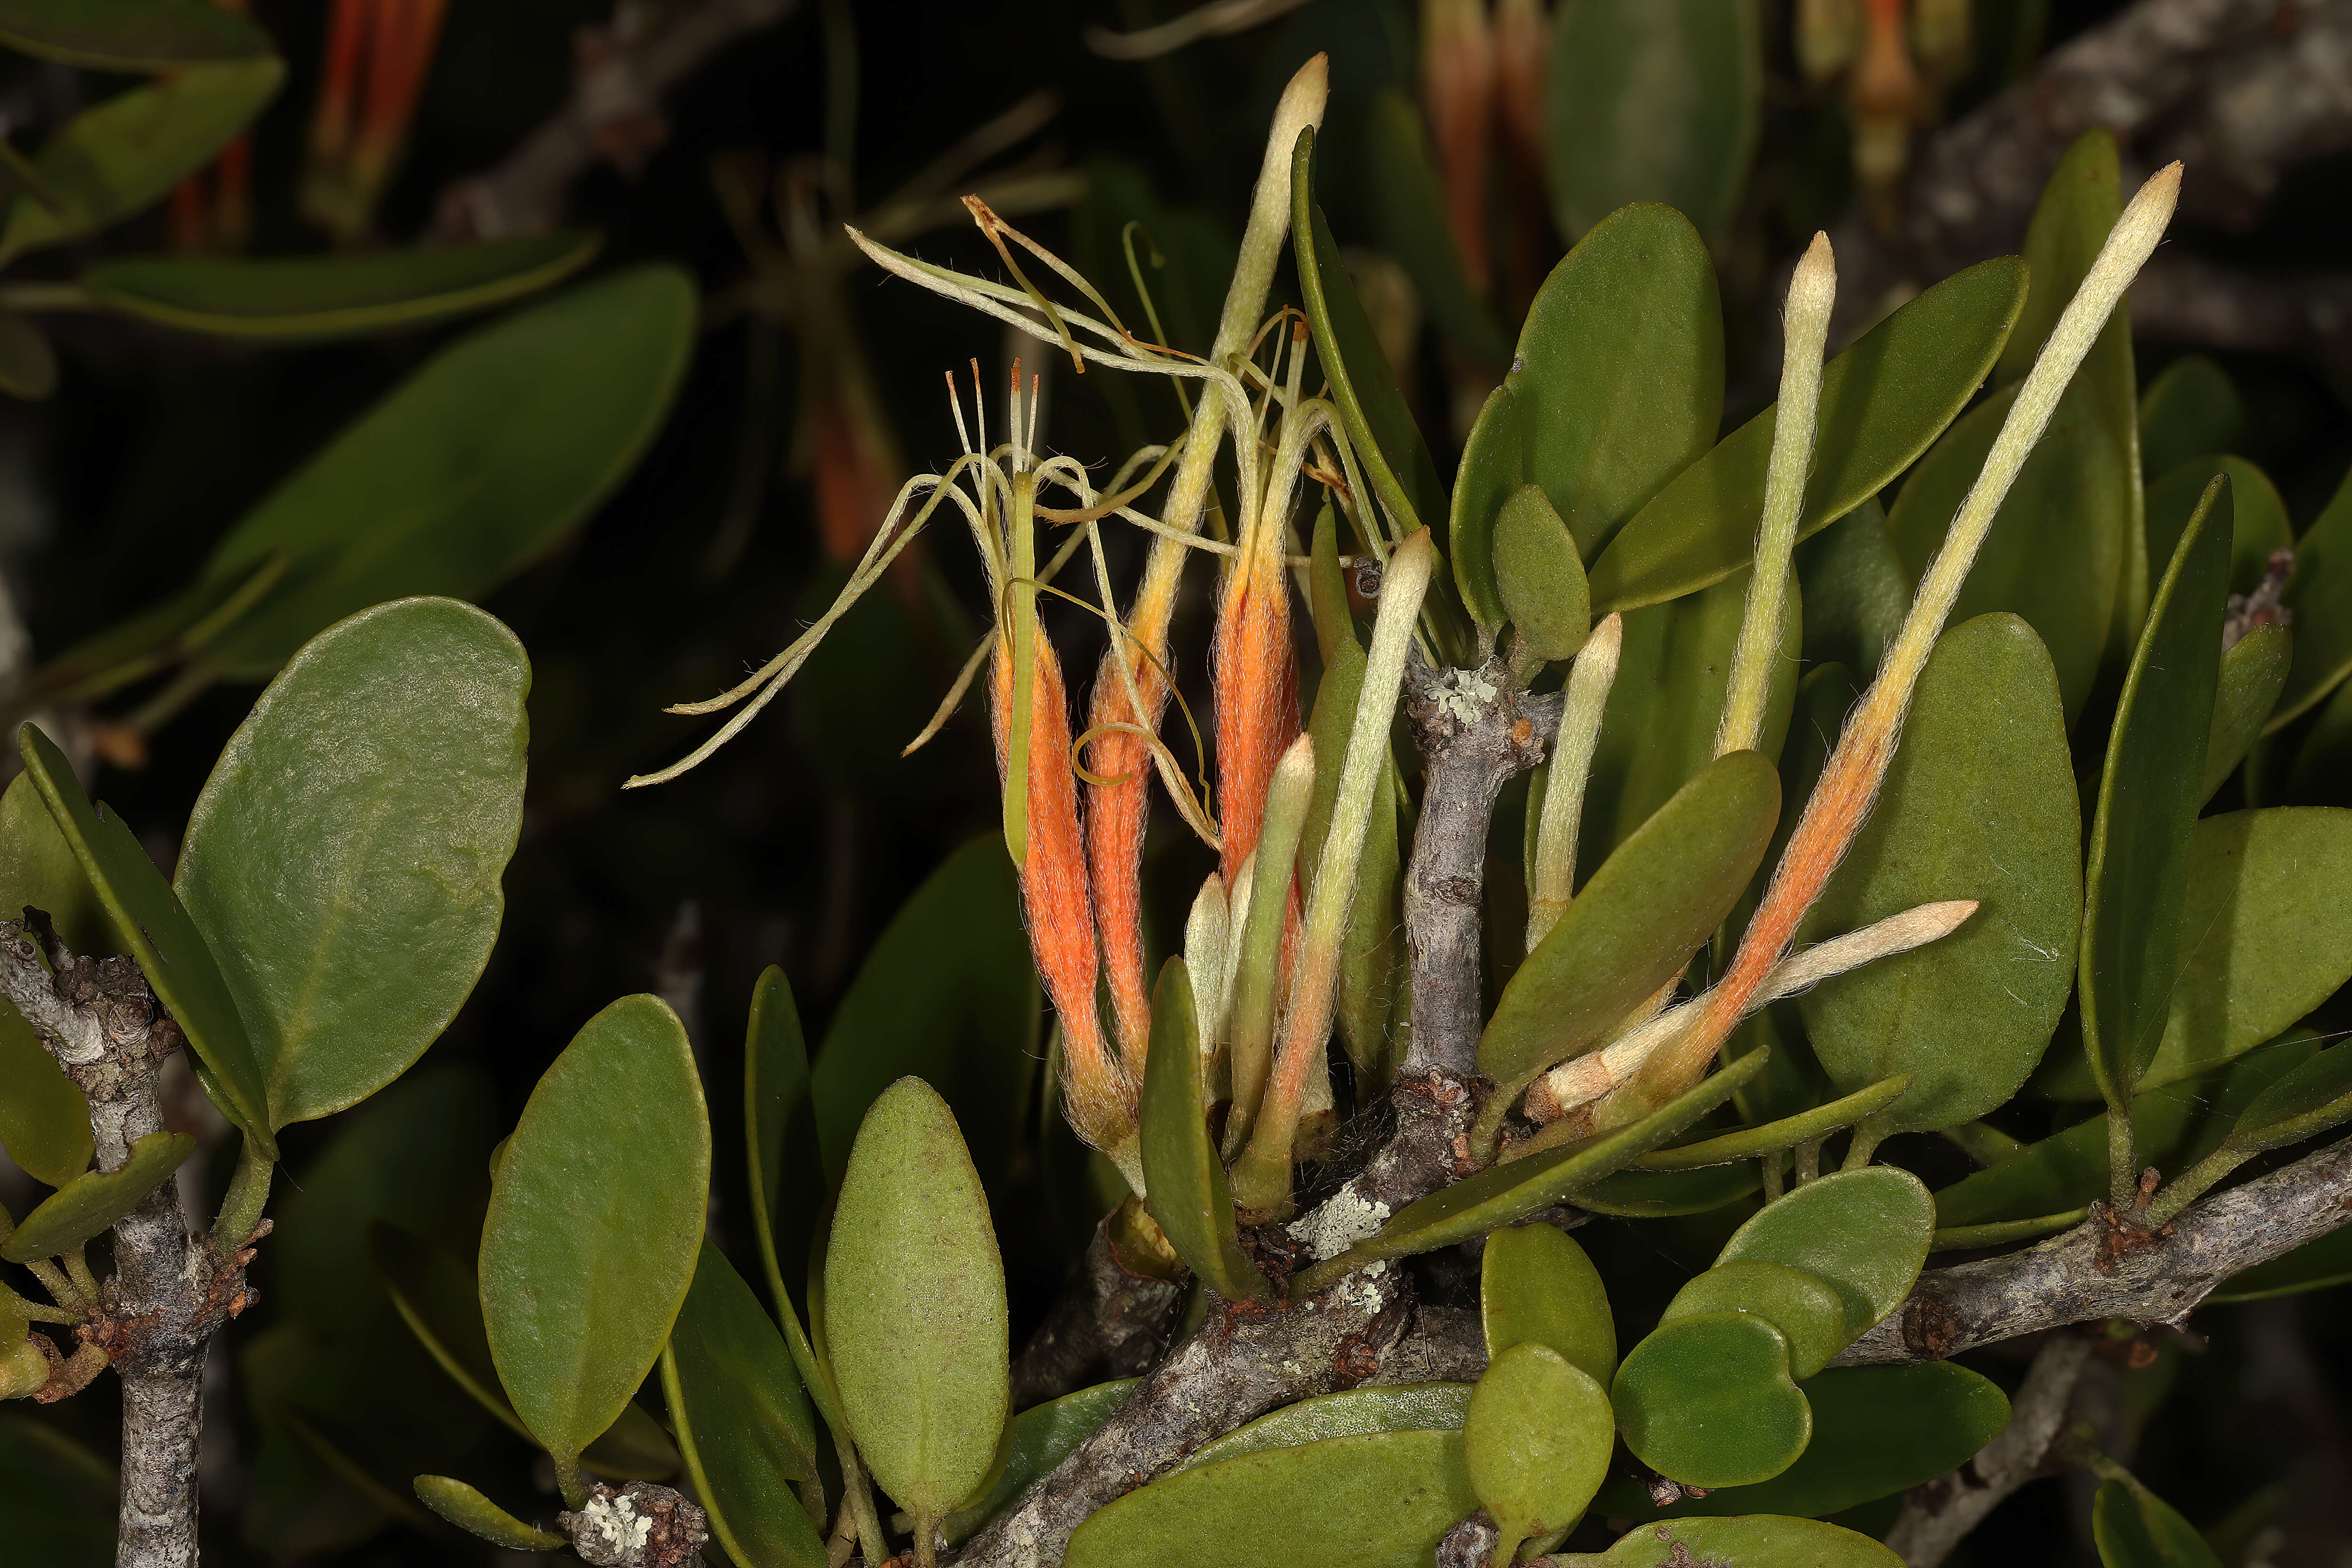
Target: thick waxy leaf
2191, 408
44, 1119
914, 1300
2135, 1529
1399, 1407
1540, 576
335, 296
172, 952
595, 1222
945, 995
1877, 1430
39, 869
1658, 733
742, 1419
1504, 1193
1863, 1231
1883, 401
2306, 1102
2320, 594
1537, 1286
94, 1200
1381, 1501
1188, 1191
1748, 1143
786, 1177
1636, 923
2259, 524
1618, 378
116, 156
469, 470
1758, 1541
345, 856
1855, 592
1408, 209
57, 1498
2253, 672
1806, 1308
1708, 1401
2137, 881
1661, 1194
129, 34
1493, 467
2068, 1169
1535, 1443
1037, 1440
1978, 803
1651, 100
1388, 442
470, 1511
438, 1297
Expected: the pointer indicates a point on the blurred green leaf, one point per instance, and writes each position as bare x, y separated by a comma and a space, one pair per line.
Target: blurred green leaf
346, 854
2306, 1102
1863, 1231
116, 157
741, 1420
2253, 672
1807, 1308
1037, 1440
1350, 1413
2142, 837
317, 296
944, 994
1635, 924
1978, 803
1618, 378
57, 1498
94, 1200
915, 1312
595, 1217
2311, 1267
1652, 101
1883, 402
2191, 407
787, 1180
1188, 1193
129, 34
2259, 524
1380, 1500
469, 1511
1408, 210
1535, 1443
1708, 1401
1540, 576
172, 952
1537, 1286
1855, 592
1756, 1541
2135, 1529
44, 1118
2319, 592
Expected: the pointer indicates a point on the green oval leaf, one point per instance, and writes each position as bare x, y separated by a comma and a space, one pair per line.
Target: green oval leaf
345, 856
2319, 592
1187, 1191
94, 1200
1540, 576
2309, 1100
742, 1419
1978, 803
1754, 1541
129, 34
2191, 407
1381, 1501
1537, 1286
172, 952
1635, 924
1748, 1143
914, 1310
2253, 672
1807, 1308
1618, 378
2259, 524
1708, 1400
1503, 1194
787, 1180
2311, 1267
469, 470
2133, 1528
595, 1219
1036, 1442
44, 1118
1856, 593
1494, 466
311, 297
1882, 402
116, 157
1350, 1413
1656, 100
470, 1511
1535, 1443
1863, 1231
2137, 881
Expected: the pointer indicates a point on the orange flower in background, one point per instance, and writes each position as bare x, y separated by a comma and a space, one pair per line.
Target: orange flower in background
378, 53
212, 210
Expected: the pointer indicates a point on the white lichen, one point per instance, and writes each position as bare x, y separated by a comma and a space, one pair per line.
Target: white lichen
1339, 1224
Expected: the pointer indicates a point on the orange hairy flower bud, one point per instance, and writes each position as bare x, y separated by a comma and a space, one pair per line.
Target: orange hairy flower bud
1884, 98
1255, 676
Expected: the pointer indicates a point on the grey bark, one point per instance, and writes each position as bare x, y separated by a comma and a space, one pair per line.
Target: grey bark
1935, 1516
1109, 1322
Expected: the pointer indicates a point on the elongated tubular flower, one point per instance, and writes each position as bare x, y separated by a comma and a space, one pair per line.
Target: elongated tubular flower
1851, 778
1117, 810
1457, 90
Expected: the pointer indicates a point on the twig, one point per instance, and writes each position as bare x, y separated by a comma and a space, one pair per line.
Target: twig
1935, 1516
1109, 1322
